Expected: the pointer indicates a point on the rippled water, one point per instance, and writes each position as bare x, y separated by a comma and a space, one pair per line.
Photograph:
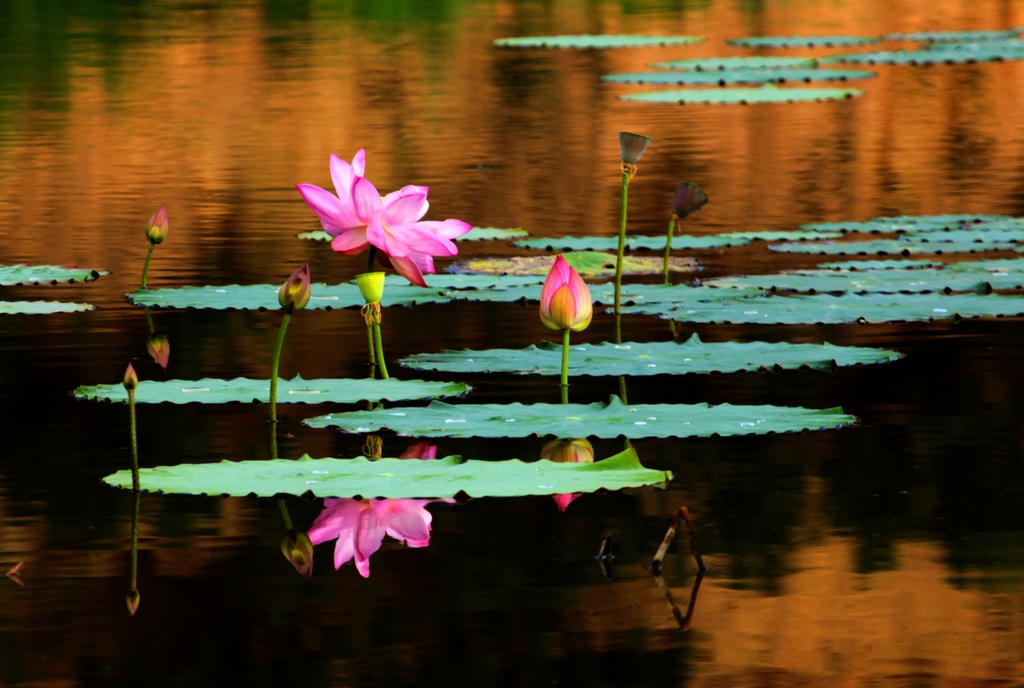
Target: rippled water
889, 553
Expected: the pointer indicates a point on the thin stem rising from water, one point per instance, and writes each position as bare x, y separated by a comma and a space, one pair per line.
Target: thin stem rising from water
145, 268
626, 176
565, 366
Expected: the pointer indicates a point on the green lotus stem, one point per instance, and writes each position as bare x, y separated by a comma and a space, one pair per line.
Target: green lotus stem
273, 372
618, 260
379, 346
370, 347
565, 366
668, 246
145, 268
622, 389
133, 592
371, 255
149, 320
135, 445
285, 515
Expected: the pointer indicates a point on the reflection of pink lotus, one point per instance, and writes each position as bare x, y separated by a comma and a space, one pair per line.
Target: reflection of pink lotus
360, 525
359, 215
421, 450
567, 451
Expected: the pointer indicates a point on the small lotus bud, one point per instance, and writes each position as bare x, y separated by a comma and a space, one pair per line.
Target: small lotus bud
131, 380
632, 146
568, 451
298, 550
371, 286
689, 199
565, 301
156, 229
132, 599
159, 348
294, 294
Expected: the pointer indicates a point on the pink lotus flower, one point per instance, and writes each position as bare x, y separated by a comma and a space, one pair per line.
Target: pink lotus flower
359, 215
360, 526
565, 299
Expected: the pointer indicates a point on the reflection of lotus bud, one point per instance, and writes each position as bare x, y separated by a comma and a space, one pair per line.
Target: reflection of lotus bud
421, 450
632, 146
565, 302
159, 348
156, 229
132, 599
131, 380
568, 451
294, 294
371, 286
298, 550
689, 198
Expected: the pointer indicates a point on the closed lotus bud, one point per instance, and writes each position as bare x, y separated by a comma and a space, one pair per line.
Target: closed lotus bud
156, 229
371, 286
632, 146
565, 299
689, 198
568, 451
132, 599
159, 347
131, 380
298, 550
294, 294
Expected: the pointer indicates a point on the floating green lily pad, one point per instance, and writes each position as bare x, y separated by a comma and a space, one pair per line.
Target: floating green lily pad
865, 265
394, 478
939, 53
613, 419
1000, 235
952, 36
921, 280
594, 42
442, 288
41, 307
42, 274
801, 41
295, 391
883, 247
477, 234
651, 358
587, 264
827, 309
738, 76
769, 93
707, 64
683, 241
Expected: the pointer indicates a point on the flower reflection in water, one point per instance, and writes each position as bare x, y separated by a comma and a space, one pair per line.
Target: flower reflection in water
360, 526
567, 451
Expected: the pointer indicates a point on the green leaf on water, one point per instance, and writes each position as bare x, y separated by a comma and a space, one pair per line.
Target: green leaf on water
587, 264
477, 234
295, 391
939, 53
920, 280
394, 478
769, 93
738, 76
651, 358
865, 265
683, 241
881, 247
828, 309
707, 64
951, 36
613, 419
594, 42
801, 41
41, 307
46, 274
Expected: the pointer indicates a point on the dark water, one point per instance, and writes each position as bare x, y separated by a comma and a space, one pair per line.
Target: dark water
891, 553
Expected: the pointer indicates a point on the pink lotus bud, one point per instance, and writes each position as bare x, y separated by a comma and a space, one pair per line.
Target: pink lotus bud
294, 294
131, 380
568, 451
632, 146
298, 549
156, 229
159, 347
689, 199
565, 299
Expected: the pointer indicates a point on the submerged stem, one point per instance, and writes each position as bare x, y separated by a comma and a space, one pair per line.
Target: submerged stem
668, 246
273, 371
135, 445
145, 268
